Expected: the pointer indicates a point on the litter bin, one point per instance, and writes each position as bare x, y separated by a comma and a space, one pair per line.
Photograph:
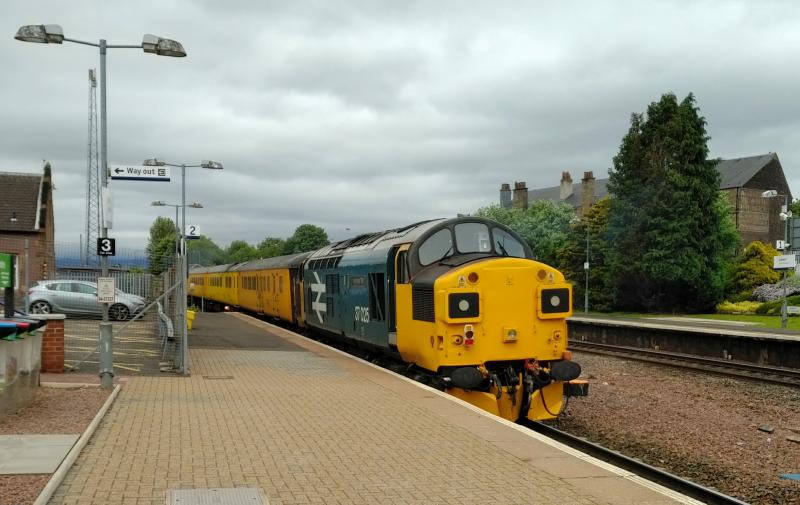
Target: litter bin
189, 319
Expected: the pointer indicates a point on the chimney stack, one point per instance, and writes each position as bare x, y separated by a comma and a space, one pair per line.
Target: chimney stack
505, 196
566, 186
587, 192
520, 200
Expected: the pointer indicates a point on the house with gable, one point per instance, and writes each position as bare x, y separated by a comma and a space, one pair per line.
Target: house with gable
743, 180
27, 228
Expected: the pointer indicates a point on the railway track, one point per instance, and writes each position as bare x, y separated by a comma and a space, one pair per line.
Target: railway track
651, 473
739, 369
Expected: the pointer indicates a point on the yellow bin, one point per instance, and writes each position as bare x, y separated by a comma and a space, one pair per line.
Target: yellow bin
189, 319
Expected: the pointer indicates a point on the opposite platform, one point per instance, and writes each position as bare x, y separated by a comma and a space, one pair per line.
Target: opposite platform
268, 409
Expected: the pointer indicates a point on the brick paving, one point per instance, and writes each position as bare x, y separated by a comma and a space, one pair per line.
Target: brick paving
306, 424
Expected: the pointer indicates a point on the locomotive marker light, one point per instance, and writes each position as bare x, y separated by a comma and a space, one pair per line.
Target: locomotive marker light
211, 165
54, 34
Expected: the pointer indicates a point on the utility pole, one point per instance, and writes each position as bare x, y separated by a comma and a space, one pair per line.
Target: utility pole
92, 177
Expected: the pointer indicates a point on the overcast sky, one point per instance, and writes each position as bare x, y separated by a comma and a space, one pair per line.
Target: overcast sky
364, 115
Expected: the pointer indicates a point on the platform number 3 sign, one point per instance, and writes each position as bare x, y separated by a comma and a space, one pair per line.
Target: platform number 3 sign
106, 247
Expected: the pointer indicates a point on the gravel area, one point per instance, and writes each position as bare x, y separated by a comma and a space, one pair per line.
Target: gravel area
736, 436
53, 411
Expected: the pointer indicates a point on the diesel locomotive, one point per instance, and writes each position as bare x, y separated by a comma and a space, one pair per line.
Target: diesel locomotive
459, 299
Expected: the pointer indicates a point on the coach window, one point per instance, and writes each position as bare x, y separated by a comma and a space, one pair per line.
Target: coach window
437, 246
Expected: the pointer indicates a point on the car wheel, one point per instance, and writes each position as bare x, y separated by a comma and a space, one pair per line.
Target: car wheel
119, 312
40, 307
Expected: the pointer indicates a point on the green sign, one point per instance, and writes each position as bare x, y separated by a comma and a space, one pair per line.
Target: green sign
5, 270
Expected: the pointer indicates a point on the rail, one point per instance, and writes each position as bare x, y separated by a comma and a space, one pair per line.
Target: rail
651, 473
731, 368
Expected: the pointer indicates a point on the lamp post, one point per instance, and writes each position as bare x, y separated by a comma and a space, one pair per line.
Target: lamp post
212, 165
54, 34
784, 216
586, 269
194, 205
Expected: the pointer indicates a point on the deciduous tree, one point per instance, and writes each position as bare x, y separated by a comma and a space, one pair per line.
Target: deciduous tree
161, 244
544, 225
307, 237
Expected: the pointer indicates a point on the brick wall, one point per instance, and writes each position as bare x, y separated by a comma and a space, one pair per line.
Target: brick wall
53, 344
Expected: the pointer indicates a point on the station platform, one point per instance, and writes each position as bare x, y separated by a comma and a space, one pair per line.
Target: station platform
695, 325
269, 414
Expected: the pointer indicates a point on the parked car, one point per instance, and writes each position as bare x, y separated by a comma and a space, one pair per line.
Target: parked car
80, 298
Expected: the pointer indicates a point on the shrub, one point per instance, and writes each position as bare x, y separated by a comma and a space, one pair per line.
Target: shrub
770, 292
745, 307
774, 307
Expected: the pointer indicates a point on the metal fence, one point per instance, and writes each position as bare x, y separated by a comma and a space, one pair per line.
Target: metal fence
144, 313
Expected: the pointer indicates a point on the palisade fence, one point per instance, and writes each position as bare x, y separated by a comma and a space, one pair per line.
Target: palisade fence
57, 278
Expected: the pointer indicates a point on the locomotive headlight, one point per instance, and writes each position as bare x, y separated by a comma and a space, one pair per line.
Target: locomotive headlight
509, 334
554, 302
463, 305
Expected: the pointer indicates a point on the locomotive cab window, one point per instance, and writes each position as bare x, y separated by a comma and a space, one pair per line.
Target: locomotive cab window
506, 245
473, 237
436, 247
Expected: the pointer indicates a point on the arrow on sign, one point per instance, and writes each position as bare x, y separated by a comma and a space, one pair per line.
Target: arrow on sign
118, 170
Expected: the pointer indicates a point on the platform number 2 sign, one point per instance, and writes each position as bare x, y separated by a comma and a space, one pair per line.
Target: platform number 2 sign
192, 232
106, 247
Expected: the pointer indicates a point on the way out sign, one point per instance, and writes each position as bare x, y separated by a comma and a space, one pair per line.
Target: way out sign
139, 173
784, 262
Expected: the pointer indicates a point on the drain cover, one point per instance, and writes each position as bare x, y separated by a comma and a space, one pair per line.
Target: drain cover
227, 496
217, 377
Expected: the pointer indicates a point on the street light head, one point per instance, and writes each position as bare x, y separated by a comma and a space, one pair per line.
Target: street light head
162, 47
41, 34
158, 204
769, 193
196, 205
785, 215
153, 162
213, 165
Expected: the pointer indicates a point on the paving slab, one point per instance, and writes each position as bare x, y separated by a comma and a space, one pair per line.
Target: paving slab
20, 454
303, 423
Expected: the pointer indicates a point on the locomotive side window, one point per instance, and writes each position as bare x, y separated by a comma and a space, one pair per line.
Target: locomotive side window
377, 296
473, 237
506, 245
437, 246
402, 267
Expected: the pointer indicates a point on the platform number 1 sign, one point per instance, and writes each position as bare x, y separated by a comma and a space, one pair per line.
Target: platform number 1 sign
106, 247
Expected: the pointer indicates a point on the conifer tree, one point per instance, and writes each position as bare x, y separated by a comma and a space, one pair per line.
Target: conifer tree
670, 232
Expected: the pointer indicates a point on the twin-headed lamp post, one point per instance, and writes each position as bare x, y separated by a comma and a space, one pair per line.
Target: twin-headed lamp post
785, 215
212, 165
54, 34
194, 205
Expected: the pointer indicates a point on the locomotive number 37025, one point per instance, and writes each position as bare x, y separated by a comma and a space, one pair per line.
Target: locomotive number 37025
362, 314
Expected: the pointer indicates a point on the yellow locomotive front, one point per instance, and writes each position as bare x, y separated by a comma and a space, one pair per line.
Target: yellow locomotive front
487, 319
